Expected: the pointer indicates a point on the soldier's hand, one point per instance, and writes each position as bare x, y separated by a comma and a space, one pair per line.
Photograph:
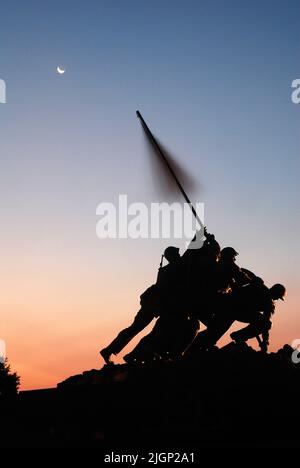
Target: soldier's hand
209, 237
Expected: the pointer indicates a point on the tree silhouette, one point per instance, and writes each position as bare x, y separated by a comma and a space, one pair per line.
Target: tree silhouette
9, 381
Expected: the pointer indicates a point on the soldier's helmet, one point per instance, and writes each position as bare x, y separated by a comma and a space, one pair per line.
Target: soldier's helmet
278, 291
171, 253
229, 253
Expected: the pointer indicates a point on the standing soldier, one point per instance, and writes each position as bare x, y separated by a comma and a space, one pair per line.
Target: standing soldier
228, 274
182, 297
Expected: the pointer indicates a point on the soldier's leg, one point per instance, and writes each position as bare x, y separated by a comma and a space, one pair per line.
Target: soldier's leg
141, 320
258, 325
187, 333
150, 345
143, 351
169, 338
216, 328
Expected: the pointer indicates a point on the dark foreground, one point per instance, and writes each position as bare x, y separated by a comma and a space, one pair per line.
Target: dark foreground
225, 398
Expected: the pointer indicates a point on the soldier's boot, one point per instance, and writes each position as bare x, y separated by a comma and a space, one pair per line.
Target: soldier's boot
238, 339
105, 353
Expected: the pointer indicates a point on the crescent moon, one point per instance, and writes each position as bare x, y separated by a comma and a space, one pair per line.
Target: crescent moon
60, 70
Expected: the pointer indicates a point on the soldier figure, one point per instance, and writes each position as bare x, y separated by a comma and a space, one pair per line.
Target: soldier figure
154, 301
253, 304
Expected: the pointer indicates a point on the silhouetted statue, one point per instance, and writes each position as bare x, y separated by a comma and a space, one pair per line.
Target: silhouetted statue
252, 303
178, 323
228, 274
200, 278
255, 305
171, 335
155, 301
204, 285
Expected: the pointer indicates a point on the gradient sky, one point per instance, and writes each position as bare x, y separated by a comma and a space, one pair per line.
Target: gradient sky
213, 80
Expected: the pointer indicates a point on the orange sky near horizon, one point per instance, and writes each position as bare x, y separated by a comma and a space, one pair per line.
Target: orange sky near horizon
213, 82
56, 323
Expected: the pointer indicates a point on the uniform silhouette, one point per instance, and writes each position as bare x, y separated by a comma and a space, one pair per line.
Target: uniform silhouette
178, 323
228, 274
200, 277
255, 305
252, 303
167, 341
156, 300
204, 285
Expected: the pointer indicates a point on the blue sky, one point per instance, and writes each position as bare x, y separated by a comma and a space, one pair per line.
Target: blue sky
211, 78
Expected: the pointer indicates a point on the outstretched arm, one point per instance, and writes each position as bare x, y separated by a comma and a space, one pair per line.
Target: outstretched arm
203, 239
